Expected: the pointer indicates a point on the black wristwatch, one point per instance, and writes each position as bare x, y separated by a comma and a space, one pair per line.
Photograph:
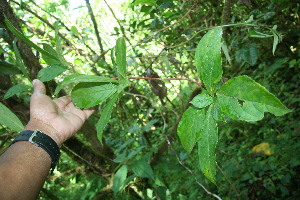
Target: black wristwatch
41, 140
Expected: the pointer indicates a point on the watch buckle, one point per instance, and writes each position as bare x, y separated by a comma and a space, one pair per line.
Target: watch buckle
32, 136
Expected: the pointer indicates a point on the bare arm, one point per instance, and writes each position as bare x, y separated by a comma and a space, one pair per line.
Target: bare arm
24, 166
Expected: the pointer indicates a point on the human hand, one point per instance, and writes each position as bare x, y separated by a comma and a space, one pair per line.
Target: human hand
58, 118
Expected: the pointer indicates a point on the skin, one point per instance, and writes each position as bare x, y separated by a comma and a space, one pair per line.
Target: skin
24, 166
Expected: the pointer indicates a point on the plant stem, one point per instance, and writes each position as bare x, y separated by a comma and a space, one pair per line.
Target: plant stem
165, 79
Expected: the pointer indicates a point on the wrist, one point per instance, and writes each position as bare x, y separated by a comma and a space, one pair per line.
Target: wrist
46, 129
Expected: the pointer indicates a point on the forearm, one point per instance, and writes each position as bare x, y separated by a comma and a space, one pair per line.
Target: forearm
24, 166
23, 170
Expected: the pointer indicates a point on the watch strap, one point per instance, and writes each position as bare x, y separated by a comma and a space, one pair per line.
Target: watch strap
42, 140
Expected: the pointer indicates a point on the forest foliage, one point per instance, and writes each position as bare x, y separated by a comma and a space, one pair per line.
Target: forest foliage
166, 76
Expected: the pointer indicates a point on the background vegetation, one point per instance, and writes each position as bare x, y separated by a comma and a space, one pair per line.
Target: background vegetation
258, 160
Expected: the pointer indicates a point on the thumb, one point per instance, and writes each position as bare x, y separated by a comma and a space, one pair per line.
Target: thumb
39, 87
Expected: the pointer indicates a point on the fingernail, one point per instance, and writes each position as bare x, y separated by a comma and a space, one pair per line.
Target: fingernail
34, 82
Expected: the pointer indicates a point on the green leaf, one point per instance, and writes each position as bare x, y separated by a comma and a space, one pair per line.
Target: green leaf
49, 73
58, 45
202, 100
147, 2
19, 60
142, 168
225, 50
217, 112
50, 61
86, 95
165, 5
189, 127
276, 65
120, 52
17, 89
275, 43
119, 179
8, 68
22, 37
207, 146
105, 116
208, 59
74, 30
9, 119
134, 152
244, 99
124, 145
75, 78
248, 53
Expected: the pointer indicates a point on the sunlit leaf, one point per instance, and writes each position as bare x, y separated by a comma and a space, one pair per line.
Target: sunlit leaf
74, 30
9, 119
263, 148
120, 52
58, 49
76, 78
147, 2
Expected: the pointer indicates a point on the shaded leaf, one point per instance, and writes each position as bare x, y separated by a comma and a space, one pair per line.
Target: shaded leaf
49, 73
248, 53
9, 119
207, 146
244, 99
225, 50
17, 89
105, 116
189, 127
165, 5
48, 60
19, 60
135, 152
276, 65
217, 112
8, 68
125, 144
75, 78
142, 168
119, 179
208, 59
